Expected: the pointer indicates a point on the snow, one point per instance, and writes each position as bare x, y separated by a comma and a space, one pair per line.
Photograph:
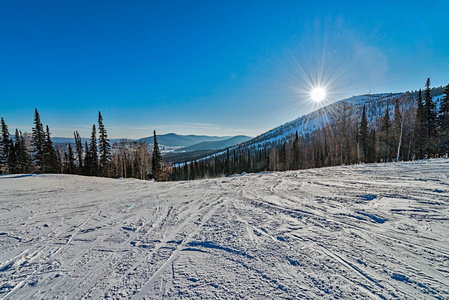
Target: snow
365, 231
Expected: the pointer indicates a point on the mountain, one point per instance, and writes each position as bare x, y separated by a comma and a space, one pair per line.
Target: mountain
66, 140
176, 140
375, 106
306, 124
217, 145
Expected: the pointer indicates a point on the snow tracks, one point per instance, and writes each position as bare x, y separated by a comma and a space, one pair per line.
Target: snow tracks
373, 231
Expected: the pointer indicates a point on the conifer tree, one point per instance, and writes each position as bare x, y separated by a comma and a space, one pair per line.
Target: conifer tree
38, 142
156, 162
23, 158
50, 158
419, 130
79, 151
104, 147
283, 157
227, 163
430, 120
93, 154
5, 148
70, 160
296, 153
12, 159
443, 123
363, 131
17, 149
87, 160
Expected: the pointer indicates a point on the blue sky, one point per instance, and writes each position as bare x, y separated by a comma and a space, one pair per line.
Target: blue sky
207, 67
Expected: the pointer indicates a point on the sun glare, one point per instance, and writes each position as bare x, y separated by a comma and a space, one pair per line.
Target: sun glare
318, 94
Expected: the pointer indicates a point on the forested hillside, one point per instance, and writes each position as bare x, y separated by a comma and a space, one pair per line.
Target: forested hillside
361, 129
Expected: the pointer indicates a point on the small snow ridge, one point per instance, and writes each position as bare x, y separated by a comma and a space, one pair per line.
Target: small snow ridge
292, 261
352, 216
361, 262
211, 245
193, 249
8, 176
6, 267
399, 277
6, 287
179, 242
128, 228
237, 175
373, 217
280, 238
367, 197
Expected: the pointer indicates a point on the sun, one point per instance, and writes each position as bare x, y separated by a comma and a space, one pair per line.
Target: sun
318, 94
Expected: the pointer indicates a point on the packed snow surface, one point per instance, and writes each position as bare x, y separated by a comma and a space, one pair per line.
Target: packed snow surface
377, 231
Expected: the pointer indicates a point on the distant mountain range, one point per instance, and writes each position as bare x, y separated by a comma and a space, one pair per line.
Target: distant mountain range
183, 143
197, 142
217, 145
65, 140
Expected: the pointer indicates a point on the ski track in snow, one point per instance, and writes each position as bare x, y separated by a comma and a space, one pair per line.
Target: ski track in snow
376, 231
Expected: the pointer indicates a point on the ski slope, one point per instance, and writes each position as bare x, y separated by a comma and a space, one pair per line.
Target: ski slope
377, 231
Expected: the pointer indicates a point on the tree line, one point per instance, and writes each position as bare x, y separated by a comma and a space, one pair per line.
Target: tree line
35, 153
410, 127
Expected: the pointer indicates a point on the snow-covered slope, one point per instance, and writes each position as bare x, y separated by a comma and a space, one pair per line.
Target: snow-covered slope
375, 105
366, 231
318, 119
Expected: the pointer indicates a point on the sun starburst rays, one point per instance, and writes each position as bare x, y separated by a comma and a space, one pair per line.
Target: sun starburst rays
318, 83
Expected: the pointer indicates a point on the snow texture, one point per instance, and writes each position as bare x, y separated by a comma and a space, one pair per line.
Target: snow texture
375, 231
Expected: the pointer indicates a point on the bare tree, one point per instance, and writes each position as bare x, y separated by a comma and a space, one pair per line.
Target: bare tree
143, 159
343, 120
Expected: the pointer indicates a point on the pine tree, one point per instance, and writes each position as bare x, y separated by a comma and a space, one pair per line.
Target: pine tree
430, 120
17, 148
443, 123
23, 158
93, 154
283, 157
296, 153
419, 130
5, 148
70, 160
227, 163
86, 170
38, 142
50, 158
156, 162
104, 147
79, 152
12, 162
364, 132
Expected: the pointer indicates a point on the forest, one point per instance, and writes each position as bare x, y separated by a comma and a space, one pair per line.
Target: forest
412, 126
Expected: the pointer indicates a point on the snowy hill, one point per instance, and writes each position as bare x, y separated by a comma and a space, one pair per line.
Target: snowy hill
318, 119
375, 105
366, 231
